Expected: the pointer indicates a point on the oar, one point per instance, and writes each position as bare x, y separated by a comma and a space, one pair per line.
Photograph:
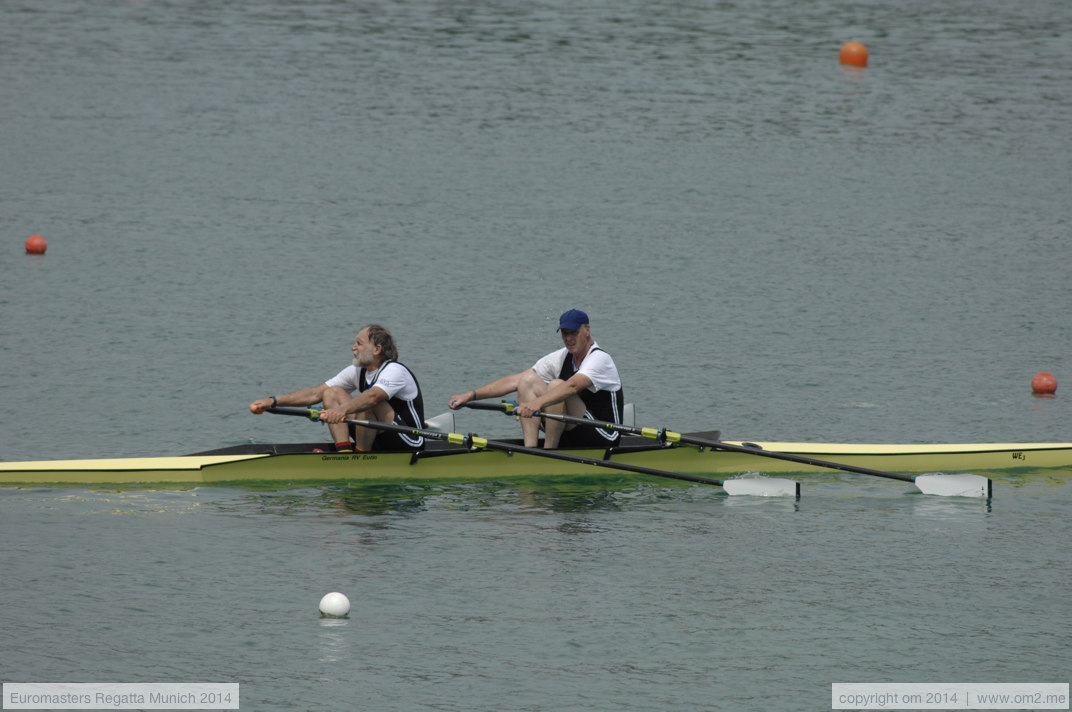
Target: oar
959, 485
764, 487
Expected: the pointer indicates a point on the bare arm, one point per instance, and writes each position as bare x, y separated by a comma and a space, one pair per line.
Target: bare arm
306, 396
500, 387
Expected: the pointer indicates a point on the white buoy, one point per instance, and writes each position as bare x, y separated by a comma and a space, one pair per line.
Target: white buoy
334, 605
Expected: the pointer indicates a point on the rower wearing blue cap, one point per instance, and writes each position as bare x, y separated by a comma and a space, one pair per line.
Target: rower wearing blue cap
579, 379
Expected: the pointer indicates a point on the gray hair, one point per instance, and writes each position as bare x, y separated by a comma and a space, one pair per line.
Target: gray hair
380, 336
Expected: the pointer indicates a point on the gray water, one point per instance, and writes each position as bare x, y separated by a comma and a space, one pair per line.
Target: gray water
767, 242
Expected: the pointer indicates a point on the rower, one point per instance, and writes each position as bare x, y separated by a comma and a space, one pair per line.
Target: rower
580, 379
386, 391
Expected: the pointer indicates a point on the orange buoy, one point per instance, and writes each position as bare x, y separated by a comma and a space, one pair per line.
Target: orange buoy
1044, 383
853, 54
36, 245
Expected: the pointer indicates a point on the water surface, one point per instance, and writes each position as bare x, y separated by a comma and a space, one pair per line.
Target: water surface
768, 243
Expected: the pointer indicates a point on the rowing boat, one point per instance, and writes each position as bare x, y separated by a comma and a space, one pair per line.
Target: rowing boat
295, 465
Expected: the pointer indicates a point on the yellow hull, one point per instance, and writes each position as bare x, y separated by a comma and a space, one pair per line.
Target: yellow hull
305, 468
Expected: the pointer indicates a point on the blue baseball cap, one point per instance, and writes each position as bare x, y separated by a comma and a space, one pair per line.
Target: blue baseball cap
572, 320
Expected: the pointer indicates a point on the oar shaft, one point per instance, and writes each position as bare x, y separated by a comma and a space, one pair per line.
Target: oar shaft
483, 443
764, 486
583, 459
671, 436
804, 460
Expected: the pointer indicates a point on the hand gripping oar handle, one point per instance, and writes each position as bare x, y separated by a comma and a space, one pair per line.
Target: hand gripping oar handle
476, 442
501, 407
966, 485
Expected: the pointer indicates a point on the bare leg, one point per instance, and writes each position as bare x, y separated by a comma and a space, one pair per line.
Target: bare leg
340, 432
532, 386
381, 412
573, 406
553, 429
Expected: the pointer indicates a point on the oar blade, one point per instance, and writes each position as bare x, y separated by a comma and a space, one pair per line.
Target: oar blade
762, 487
960, 485
442, 423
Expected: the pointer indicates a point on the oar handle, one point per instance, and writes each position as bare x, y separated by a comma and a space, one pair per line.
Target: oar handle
507, 407
310, 413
